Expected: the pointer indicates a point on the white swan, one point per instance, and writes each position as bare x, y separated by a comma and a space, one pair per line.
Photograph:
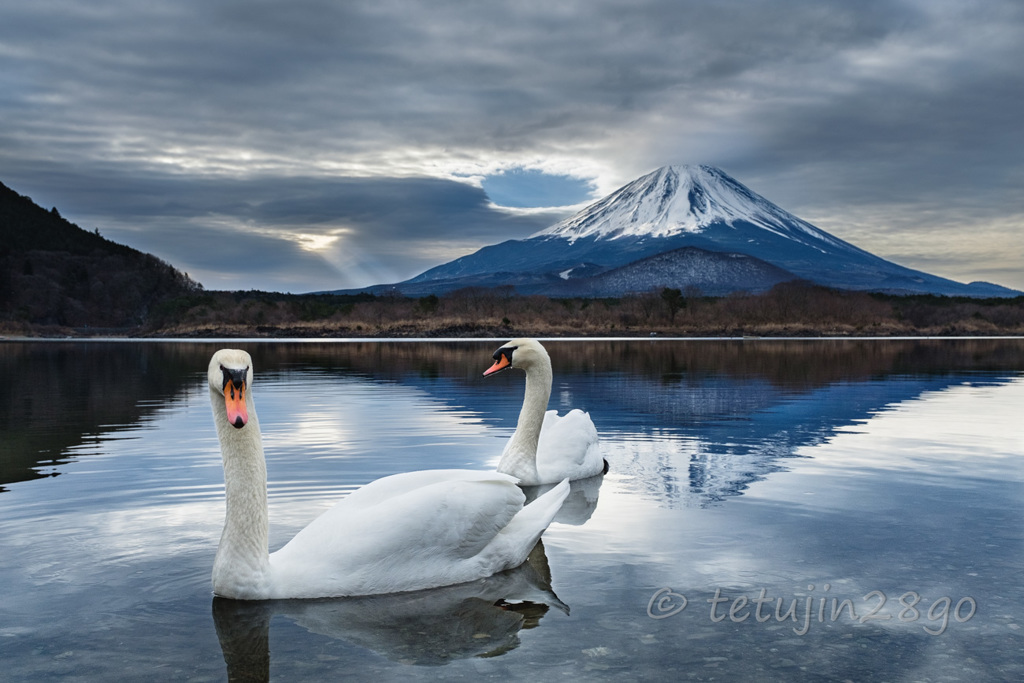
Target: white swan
400, 533
545, 448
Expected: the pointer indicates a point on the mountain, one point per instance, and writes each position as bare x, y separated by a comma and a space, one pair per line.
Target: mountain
676, 207
52, 272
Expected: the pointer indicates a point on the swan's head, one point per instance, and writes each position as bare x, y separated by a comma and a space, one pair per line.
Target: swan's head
518, 353
230, 375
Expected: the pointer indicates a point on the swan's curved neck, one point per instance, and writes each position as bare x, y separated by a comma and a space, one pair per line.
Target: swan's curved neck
242, 563
520, 456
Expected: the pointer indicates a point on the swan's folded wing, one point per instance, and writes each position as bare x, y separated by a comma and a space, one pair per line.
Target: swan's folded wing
570, 440
440, 513
474, 512
436, 532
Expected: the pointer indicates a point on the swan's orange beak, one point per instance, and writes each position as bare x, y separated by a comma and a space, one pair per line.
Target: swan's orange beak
234, 403
500, 364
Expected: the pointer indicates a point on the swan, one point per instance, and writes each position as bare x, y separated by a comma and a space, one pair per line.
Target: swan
545, 448
404, 532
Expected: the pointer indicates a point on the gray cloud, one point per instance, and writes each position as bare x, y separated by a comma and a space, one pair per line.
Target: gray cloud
172, 126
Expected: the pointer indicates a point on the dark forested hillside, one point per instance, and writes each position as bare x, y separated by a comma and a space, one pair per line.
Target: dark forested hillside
54, 273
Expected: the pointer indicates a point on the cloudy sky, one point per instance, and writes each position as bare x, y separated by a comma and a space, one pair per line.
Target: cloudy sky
316, 144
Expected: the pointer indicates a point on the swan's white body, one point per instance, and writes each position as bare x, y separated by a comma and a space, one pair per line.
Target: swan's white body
401, 533
545, 448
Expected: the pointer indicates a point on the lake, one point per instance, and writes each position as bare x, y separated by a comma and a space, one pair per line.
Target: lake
819, 510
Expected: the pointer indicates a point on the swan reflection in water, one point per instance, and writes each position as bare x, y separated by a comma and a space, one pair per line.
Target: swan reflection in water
578, 506
426, 628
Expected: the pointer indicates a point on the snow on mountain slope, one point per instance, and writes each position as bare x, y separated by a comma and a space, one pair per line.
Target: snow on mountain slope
678, 199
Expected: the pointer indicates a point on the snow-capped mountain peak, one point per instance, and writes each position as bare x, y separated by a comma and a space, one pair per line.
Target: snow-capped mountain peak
679, 199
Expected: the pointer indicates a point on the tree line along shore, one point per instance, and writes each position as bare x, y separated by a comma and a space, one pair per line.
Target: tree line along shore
790, 309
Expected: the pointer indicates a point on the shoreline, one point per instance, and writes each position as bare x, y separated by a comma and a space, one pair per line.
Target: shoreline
545, 338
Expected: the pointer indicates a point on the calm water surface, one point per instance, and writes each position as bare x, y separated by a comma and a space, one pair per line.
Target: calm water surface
774, 510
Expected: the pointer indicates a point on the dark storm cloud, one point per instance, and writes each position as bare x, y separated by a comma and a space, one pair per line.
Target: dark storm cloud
256, 122
252, 229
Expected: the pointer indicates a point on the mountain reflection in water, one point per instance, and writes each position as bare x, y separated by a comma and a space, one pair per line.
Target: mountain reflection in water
727, 412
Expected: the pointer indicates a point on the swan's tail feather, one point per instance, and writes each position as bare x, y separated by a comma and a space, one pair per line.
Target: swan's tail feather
547, 505
527, 526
